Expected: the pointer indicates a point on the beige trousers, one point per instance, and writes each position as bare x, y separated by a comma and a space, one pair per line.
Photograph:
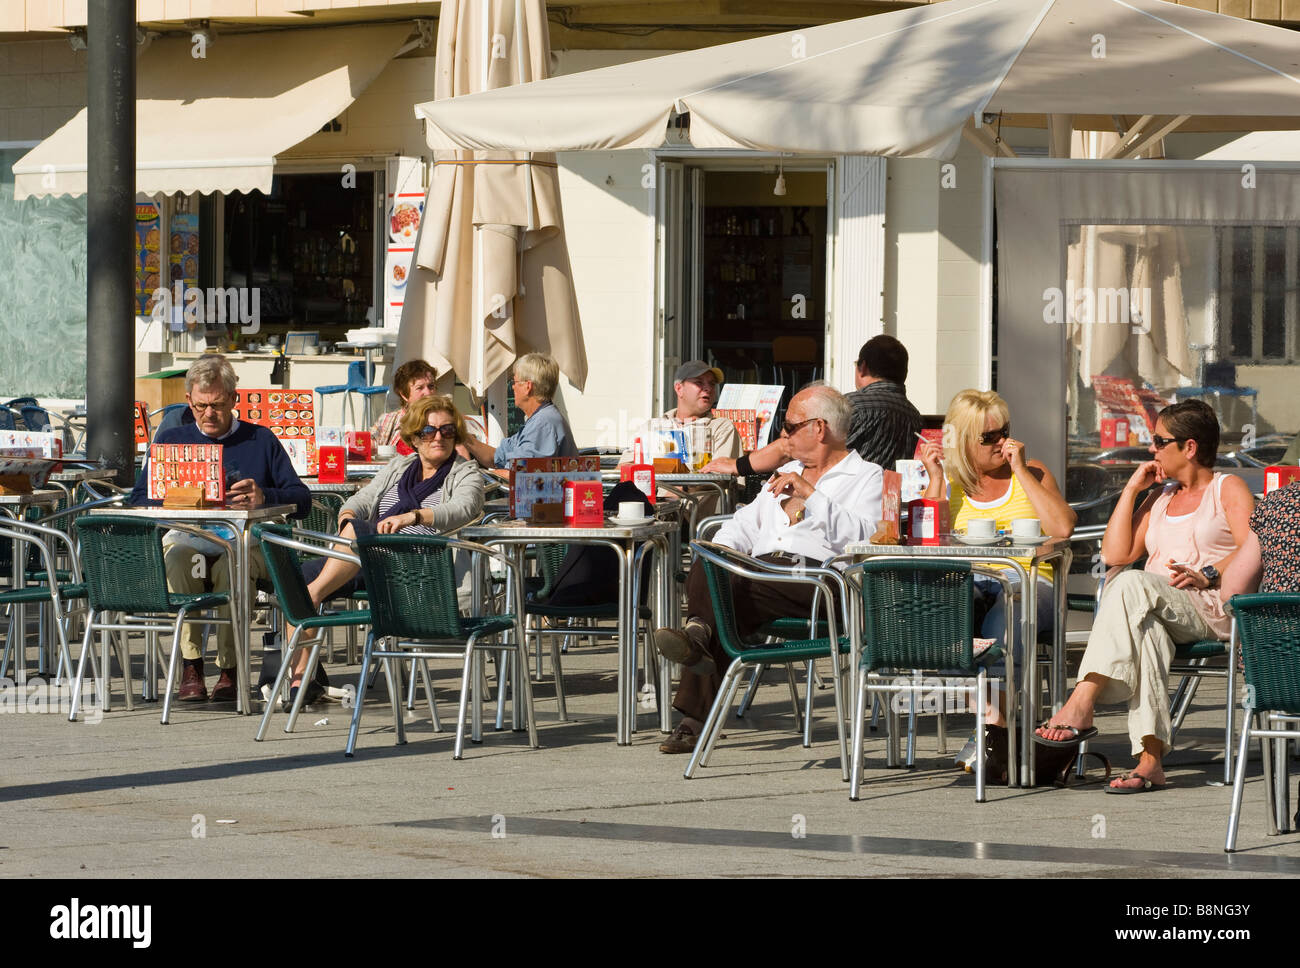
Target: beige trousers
191, 573
1140, 618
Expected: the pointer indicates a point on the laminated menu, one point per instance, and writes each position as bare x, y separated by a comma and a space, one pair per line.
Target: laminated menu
540, 480
23, 469
141, 420
38, 443
187, 465
746, 424
291, 416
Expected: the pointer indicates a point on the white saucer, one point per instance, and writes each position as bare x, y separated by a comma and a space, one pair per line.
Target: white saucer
621, 520
1028, 542
992, 539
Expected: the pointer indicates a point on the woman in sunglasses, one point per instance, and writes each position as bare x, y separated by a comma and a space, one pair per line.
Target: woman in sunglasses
428, 492
991, 479
1190, 529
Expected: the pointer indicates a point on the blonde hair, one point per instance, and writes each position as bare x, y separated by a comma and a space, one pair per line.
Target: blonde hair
962, 426
539, 370
417, 416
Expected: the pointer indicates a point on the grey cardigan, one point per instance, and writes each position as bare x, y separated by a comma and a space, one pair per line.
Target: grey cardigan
462, 493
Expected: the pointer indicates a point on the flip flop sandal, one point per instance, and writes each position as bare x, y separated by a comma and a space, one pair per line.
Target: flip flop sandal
1147, 785
1080, 735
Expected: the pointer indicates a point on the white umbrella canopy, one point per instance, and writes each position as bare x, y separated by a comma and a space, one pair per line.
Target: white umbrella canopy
491, 278
904, 83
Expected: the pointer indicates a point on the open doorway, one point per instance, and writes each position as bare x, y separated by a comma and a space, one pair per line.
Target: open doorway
743, 273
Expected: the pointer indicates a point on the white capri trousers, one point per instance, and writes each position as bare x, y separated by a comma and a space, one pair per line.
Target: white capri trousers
1139, 619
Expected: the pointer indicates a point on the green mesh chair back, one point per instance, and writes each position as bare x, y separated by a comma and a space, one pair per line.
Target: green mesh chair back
917, 615
285, 570
724, 607
1269, 626
122, 563
322, 517
549, 559
412, 584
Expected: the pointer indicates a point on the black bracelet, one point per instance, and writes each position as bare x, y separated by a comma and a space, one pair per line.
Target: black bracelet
743, 467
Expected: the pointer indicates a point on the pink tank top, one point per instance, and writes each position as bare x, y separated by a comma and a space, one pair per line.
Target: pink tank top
1200, 538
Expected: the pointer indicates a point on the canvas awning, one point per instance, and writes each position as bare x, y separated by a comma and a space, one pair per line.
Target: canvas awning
905, 83
216, 123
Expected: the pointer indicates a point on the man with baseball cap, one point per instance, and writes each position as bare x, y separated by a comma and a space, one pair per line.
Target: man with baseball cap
697, 385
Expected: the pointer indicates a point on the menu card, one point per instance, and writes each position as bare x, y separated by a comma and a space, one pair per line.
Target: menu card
291, 416
762, 399
540, 480
187, 465
18, 465
37, 443
746, 424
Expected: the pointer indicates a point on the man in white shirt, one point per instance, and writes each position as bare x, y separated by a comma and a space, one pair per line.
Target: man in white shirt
823, 499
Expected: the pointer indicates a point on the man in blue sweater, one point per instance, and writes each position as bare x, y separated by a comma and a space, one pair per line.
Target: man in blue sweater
263, 474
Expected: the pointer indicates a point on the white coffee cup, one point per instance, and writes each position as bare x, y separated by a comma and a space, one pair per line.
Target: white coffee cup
386, 451
631, 511
1025, 528
980, 528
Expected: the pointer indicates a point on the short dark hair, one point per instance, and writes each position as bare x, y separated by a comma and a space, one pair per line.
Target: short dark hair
884, 358
409, 372
1194, 420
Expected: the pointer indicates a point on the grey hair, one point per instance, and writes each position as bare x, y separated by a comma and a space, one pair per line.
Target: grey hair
211, 370
830, 405
540, 370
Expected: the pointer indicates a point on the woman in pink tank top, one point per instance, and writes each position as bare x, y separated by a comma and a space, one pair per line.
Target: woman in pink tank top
1189, 530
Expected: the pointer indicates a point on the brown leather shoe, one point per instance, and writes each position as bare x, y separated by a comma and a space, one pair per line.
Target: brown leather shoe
685, 647
682, 740
192, 687
226, 689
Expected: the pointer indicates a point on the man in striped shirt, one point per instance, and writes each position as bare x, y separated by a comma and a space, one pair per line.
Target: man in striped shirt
884, 424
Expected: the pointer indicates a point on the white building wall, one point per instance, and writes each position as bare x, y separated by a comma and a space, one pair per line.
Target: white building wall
932, 274
609, 224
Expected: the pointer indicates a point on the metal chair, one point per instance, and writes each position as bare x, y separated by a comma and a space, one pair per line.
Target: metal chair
52, 530
283, 553
122, 561
52, 586
1269, 626
358, 382
720, 564
412, 587
917, 617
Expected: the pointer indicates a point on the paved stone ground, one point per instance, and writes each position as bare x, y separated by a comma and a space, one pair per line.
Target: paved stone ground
129, 798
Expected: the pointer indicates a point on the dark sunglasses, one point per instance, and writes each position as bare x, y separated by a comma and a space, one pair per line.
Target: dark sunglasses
446, 432
1160, 442
995, 436
793, 428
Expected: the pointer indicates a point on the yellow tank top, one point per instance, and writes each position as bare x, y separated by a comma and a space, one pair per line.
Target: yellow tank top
1014, 504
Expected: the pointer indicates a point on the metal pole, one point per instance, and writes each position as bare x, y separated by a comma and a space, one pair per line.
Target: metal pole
110, 213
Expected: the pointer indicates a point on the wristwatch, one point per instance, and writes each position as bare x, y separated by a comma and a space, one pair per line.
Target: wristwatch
1211, 575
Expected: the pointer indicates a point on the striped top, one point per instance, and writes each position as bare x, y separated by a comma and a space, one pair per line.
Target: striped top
884, 424
1014, 504
389, 501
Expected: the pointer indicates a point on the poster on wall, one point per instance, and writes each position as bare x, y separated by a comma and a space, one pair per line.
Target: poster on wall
405, 212
183, 251
148, 255
290, 415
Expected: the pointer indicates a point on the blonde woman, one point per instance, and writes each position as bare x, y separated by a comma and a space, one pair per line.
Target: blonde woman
427, 492
992, 479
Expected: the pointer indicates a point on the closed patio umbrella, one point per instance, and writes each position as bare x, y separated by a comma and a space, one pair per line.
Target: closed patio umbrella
491, 278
